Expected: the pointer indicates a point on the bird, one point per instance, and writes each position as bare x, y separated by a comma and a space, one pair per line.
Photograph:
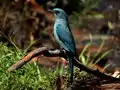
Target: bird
64, 37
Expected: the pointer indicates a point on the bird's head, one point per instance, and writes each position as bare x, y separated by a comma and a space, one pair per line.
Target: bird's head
60, 13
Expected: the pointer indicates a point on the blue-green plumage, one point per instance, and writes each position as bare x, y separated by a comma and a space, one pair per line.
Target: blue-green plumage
64, 36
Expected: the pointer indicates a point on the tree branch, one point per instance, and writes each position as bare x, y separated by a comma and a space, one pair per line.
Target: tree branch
55, 53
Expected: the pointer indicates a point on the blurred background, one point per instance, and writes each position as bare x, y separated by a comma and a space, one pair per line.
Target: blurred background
26, 25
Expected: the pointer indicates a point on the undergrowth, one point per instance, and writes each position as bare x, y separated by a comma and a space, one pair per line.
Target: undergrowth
32, 77
29, 77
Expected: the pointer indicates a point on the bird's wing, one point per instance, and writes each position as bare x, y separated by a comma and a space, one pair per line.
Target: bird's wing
65, 36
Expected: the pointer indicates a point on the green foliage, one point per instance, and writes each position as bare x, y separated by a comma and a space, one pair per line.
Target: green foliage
90, 59
29, 77
82, 57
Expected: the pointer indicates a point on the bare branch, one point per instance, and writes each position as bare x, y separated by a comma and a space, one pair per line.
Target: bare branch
27, 58
61, 53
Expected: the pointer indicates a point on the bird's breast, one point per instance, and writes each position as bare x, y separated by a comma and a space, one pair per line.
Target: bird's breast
60, 24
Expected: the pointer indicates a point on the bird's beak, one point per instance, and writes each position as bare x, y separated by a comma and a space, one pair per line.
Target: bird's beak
51, 11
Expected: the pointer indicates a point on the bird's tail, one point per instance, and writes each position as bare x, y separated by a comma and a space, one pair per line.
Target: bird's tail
71, 58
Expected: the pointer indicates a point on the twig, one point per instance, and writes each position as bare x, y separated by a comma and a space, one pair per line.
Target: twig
27, 58
95, 72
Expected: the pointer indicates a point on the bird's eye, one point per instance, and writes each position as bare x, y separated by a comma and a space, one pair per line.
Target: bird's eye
57, 12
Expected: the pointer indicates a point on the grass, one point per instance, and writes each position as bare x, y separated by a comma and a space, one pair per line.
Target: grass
90, 59
29, 77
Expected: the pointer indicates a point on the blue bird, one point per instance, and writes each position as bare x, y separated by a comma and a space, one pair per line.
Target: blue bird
63, 36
